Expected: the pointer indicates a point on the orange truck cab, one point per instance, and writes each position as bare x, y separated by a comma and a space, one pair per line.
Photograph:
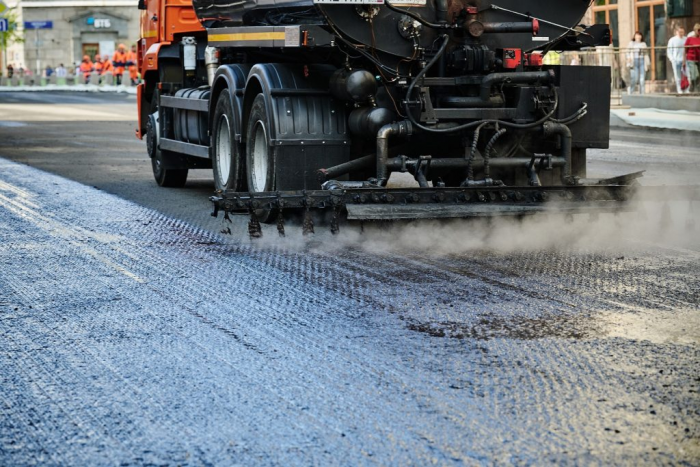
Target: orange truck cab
162, 21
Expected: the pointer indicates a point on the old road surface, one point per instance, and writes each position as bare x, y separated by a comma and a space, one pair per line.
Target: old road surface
132, 332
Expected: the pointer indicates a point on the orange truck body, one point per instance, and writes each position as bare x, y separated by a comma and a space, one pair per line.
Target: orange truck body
161, 21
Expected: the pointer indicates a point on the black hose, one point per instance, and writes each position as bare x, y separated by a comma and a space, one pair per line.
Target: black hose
489, 148
472, 153
369, 57
419, 18
576, 116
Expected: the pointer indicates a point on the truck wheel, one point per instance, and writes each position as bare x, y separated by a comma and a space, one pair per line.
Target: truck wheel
260, 158
168, 178
226, 151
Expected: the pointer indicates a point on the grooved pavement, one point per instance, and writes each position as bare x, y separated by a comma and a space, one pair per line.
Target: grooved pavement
127, 337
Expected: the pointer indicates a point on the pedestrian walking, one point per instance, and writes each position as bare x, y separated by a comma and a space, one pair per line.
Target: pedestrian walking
692, 59
10, 71
676, 54
61, 71
131, 62
48, 71
119, 62
638, 61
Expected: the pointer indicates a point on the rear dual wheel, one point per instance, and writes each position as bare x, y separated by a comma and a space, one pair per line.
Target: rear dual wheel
260, 158
238, 169
226, 151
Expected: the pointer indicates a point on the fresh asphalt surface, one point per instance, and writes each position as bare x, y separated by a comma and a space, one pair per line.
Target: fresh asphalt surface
132, 332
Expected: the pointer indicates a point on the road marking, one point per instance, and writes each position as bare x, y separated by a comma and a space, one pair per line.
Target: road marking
66, 112
57, 228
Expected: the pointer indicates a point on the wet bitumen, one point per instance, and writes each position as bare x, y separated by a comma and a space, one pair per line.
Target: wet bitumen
130, 337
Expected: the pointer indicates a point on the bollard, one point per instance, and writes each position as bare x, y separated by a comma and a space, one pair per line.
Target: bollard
94, 78
108, 79
28, 81
53, 79
3, 81
14, 81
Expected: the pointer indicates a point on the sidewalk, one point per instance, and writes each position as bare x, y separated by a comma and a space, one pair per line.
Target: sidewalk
71, 88
650, 118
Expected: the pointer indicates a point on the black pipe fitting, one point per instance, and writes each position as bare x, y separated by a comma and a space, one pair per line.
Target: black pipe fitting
564, 133
527, 77
345, 168
403, 128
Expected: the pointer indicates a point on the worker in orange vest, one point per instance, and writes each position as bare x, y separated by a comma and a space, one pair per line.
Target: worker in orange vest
119, 61
131, 61
86, 67
97, 64
107, 66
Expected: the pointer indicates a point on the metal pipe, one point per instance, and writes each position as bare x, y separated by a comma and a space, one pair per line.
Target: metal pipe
531, 27
457, 101
211, 62
550, 129
528, 77
396, 164
532, 177
441, 10
393, 129
345, 168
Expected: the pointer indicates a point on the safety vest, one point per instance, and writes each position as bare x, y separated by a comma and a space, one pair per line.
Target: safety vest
119, 61
131, 61
86, 68
107, 67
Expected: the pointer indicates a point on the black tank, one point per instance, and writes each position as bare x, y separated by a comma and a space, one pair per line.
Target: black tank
379, 27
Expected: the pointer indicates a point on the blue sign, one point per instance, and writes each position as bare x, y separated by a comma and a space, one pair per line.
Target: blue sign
38, 25
4, 25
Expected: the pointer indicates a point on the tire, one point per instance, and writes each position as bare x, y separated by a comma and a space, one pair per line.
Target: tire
167, 178
226, 155
260, 155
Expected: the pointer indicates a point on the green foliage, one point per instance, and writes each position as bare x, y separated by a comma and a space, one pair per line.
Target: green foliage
13, 35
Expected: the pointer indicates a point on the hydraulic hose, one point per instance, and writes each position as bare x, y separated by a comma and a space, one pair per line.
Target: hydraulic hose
420, 19
472, 153
489, 148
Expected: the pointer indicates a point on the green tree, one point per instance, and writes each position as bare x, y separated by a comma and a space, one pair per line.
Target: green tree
12, 36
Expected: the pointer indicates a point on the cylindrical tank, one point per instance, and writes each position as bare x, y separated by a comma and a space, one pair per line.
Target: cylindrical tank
386, 31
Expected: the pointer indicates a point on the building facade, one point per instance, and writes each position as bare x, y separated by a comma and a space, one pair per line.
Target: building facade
657, 20
62, 31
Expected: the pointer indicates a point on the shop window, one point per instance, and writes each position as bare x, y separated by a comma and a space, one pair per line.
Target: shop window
678, 8
605, 12
651, 22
